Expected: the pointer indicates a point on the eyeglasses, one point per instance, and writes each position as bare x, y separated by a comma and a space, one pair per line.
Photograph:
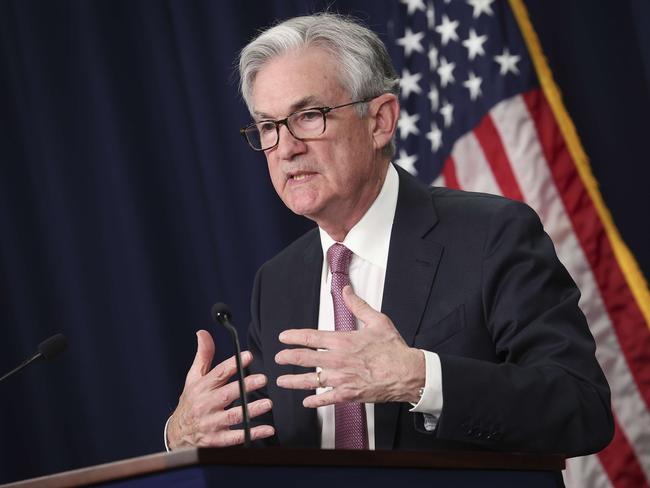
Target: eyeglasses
302, 124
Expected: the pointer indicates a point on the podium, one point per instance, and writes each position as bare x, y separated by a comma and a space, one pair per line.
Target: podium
313, 468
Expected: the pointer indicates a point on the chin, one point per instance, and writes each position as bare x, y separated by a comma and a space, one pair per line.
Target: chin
302, 206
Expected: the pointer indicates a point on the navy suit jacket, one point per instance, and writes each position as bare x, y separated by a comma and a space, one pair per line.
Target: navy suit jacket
474, 278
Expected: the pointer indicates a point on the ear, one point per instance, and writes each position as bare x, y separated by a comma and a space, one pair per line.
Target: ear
384, 111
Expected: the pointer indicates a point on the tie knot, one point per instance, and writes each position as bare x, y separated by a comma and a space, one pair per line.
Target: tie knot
338, 258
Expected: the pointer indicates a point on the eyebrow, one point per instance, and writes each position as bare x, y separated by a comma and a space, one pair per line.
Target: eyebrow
305, 102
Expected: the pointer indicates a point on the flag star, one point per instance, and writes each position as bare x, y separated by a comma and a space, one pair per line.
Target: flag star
447, 111
411, 42
431, 16
474, 44
435, 137
447, 30
407, 162
434, 98
507, 62
407, 124
446, 72
413, 6
481, 7
409, 83
433, 58
473, 84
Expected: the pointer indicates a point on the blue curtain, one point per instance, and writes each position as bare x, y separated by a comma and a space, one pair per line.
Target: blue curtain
129, 202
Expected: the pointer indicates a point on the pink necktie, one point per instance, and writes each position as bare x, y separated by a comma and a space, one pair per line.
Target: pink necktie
350, 418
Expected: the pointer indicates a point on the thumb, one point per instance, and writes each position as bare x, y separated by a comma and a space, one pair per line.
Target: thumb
358, 306
203, 358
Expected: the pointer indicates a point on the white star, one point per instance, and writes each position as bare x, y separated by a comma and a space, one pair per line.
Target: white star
407, 124
433, 58
407, 162
446, 72
413, 6
409, 83
431, 16
473, 84
433, 97
435, 136
411, 42
507, 62
447, 30
447, 111
481, 7
474, 44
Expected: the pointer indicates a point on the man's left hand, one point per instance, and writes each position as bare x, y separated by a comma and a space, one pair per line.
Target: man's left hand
369, 365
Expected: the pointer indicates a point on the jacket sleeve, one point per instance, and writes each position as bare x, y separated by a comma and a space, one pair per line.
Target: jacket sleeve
547, 392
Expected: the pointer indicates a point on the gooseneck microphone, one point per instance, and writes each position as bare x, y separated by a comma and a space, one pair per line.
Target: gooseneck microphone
221, 314
47, 349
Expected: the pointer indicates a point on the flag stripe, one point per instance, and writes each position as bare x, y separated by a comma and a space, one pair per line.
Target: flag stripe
497, 158
449, 174
586, 471
630, 326
473, 171
622, 464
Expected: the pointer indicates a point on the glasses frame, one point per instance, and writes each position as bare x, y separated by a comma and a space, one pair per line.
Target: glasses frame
323, 110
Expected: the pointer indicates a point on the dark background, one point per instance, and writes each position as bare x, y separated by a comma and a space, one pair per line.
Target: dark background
129, 203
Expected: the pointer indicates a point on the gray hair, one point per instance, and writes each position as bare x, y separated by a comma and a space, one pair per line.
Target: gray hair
365, 70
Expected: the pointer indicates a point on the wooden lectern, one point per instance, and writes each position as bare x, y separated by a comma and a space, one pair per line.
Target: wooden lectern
312, 468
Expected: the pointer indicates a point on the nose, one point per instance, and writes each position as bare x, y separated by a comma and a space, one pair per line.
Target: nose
288, 146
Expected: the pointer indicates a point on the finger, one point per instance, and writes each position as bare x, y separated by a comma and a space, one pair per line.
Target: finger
329, 397
305, 381
300, 357
225, 395
235, 415
236, 437
223, 371
203, 357
311, 359
359, 308
314, 339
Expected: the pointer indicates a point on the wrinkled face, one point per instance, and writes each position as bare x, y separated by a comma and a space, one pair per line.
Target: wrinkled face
328, 178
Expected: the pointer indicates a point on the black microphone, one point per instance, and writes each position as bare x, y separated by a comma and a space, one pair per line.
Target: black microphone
47, 349
221, 314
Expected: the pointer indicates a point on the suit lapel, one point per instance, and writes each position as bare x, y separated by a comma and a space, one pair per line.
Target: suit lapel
305, 314
412, 263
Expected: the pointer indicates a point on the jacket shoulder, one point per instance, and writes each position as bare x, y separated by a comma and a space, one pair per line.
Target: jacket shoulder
304, 247
475, 206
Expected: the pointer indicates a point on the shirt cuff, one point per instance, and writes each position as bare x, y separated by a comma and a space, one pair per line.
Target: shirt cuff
165, 435
430, 402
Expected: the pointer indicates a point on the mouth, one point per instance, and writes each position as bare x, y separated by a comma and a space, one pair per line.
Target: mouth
300, 176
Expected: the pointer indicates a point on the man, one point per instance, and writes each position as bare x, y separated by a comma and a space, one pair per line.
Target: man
479, 342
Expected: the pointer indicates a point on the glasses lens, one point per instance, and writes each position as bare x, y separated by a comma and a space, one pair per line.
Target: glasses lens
307, 123
261, 135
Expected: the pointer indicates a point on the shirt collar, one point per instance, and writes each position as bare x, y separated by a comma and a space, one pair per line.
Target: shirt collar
370, 237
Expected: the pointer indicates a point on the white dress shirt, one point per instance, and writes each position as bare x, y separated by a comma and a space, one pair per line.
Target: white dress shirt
369, 241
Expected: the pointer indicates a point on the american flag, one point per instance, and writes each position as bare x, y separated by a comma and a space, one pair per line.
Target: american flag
481, 112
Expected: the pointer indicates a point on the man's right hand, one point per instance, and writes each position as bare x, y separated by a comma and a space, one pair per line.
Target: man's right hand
202, 417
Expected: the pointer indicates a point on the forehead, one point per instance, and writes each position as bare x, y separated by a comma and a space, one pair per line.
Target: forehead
296, 80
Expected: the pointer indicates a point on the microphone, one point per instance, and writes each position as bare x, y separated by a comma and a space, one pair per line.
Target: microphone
221, 314
49, 348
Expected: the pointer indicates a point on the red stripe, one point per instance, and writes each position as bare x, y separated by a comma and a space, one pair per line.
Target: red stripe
449, 173
620, 462
627, 319
490, 141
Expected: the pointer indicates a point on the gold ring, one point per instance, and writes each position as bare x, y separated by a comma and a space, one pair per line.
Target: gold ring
320, 385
